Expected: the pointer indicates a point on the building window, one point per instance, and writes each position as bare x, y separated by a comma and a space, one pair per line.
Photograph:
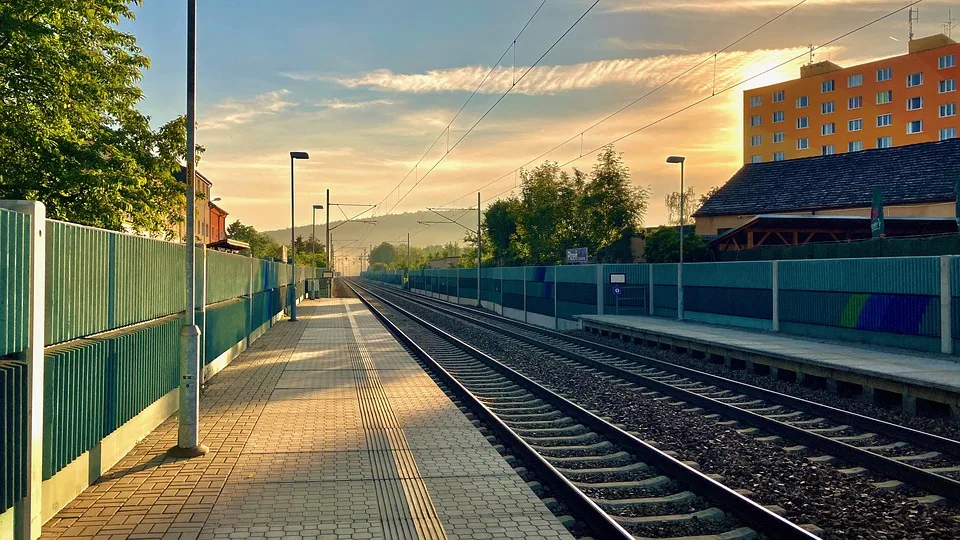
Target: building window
855, 125
948, 61
827, 150
778, 117
756, 101
884, 97
884, 74
778, 156
885, 142
914, 79
854, 146
827, 107
948, 85
779, 136
855, 103
756, 120
756, 158
915, 126
914, 103
948, 109
948, 133
803, 143
828, 129
803, 102
884, 120
778, 96
756, 140
827, 86
803, 122
854, 81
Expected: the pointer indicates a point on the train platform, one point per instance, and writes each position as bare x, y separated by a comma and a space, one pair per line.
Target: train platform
325, 428
877, 373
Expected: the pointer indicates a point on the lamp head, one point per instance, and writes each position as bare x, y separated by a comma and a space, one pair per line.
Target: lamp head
299, 155
318, 207
676, 159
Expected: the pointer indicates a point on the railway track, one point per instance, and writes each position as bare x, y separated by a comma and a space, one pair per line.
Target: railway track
618, 485
905, 455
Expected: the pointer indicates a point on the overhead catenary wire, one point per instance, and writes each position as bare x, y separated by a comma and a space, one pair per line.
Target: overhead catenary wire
492, 107
446, 130
712, 95
708, 58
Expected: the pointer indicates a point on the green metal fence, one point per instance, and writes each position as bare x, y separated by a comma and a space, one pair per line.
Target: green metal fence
13, 433
94, 386
15, 230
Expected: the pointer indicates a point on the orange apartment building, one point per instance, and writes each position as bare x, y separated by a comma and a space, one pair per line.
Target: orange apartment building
896, 101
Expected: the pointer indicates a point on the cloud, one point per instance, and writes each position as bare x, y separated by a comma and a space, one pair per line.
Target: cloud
231, 111
336, 104
541, 80
714, 6
640, 45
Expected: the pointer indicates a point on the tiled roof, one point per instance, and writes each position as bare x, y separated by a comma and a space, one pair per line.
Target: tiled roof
917, 173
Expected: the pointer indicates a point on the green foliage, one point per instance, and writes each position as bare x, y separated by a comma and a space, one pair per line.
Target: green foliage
70, 133
384, 254
691, 203
663, 246
261, 246
556, 211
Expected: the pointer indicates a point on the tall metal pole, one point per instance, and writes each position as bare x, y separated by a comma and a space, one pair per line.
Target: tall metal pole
329, 247
680, 266
313, 234
188, 431
293, 253
479, 303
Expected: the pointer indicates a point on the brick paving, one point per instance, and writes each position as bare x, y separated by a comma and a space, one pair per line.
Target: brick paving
325, 428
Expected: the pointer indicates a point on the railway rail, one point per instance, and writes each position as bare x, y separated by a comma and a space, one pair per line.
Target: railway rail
616, 484
927, 461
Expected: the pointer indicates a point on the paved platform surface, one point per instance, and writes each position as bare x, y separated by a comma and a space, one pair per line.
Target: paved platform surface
325, 428
903, 366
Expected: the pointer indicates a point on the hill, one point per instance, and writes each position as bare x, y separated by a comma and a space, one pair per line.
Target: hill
392, 228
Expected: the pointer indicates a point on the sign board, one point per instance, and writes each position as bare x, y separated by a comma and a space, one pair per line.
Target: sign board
618, 278
617, 291
327, 274
577, 256
876, 213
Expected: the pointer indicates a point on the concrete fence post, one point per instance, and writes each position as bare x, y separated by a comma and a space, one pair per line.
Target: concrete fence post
524, 293
650, 288
27, 512
600, 299
556, 316
946, 311
776, 295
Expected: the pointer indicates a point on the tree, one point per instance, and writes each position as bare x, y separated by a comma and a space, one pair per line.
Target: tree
612, 208
384, 253
663, 246
691, 203
555, 210
500, 229
261, 245
70, 133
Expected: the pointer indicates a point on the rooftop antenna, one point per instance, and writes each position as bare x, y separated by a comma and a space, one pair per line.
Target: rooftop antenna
948, 25
914, 17
812, 48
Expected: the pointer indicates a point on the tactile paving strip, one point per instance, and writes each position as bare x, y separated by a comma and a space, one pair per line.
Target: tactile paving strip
399, 484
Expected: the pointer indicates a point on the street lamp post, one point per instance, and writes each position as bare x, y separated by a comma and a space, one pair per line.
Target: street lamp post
680, 160
188, 429
293, 244
314, 231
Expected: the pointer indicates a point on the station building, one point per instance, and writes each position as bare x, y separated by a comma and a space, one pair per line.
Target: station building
830, 109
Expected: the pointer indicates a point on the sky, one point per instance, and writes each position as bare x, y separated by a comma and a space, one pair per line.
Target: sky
367, 86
